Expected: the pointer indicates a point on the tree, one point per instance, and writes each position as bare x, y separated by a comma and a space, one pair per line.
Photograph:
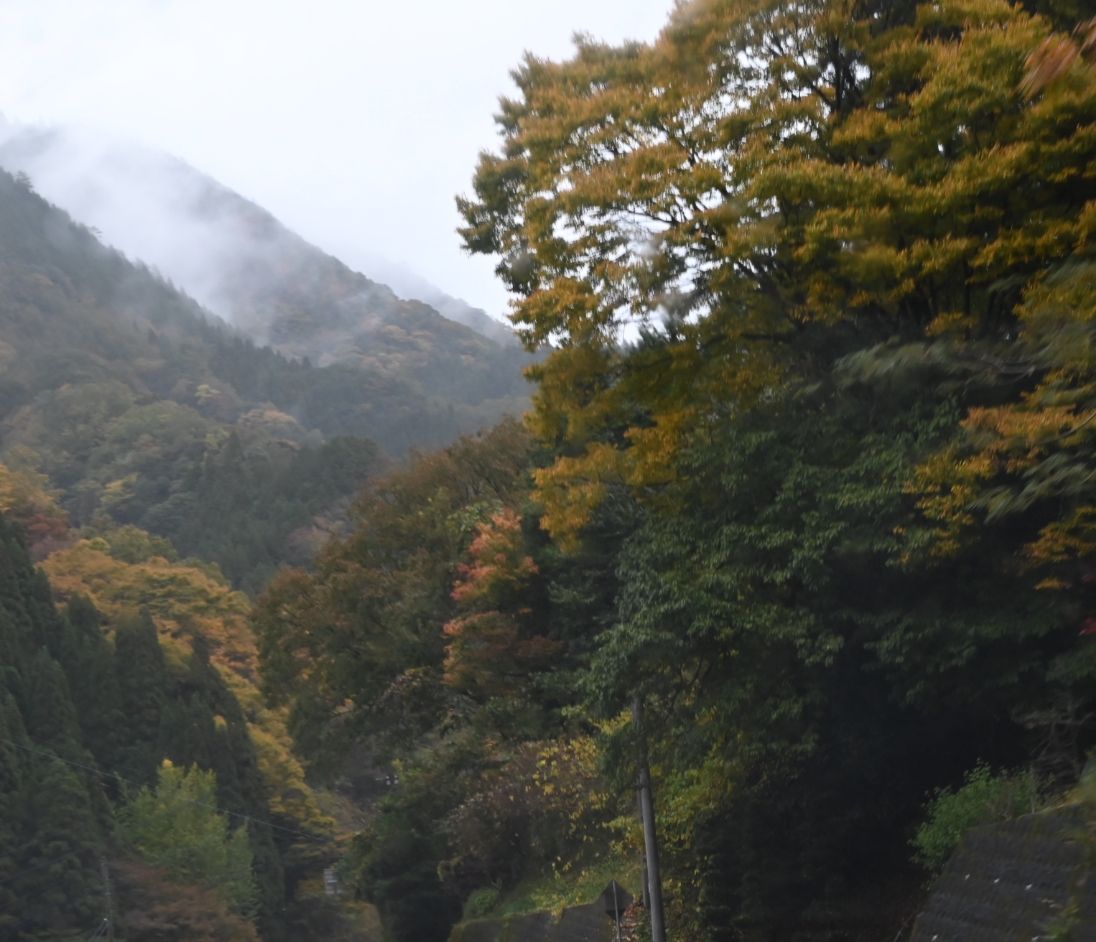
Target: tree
13, 773
356, 648
24, 495
142, 690
763, 190
817, 281
177, 826
493, 646
58, 881
89, 665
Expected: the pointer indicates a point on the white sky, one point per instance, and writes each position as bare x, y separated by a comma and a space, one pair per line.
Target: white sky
355, 123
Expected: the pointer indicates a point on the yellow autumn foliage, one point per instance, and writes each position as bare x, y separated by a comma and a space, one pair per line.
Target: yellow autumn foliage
188, 599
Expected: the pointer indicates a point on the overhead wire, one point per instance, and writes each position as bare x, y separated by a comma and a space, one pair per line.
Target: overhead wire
51, 861
117, 777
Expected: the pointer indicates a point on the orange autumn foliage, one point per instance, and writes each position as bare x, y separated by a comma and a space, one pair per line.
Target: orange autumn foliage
493, 646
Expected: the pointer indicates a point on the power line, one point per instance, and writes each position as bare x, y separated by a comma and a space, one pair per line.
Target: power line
79, 852
115, 776
106, 926
82, 851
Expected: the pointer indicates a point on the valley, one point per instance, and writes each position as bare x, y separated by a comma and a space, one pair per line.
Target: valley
752, 569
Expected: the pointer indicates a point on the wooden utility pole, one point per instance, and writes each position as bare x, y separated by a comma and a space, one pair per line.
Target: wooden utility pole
650, 838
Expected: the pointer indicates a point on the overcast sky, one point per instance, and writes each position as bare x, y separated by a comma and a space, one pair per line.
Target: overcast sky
355, 122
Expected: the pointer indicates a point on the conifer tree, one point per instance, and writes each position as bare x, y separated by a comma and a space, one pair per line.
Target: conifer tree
59, 845
142, 685
88, 662
14, 760
15, 617
47, 709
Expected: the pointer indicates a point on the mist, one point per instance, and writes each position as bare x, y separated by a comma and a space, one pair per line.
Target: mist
150, 206
354, 124
227, 253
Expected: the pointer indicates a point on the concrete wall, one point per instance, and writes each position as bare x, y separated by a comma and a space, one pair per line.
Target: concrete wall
1026, 880
577, 924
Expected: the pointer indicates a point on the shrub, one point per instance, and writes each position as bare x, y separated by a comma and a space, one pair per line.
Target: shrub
480, 902
984, 797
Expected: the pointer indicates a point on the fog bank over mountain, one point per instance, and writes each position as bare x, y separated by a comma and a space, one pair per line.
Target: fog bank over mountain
356, 124
150, 206
225, 251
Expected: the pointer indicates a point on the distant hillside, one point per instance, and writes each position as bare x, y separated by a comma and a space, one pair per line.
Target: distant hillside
141, 408
409, 285
240, 262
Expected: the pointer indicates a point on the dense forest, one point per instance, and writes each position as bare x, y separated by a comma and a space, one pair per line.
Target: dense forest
143, 409
105, 732
159, 466
807, 479
799, 525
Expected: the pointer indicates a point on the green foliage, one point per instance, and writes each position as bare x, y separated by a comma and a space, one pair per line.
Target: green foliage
121, 707
12, 774
984, 797
57, 882
392, 642
177, 826
842, 476
480, 902
89, 664
795, 668
576, 886
53, 818
131, 545
126, 410
393, 863
142, 691
829, 511
199, 678
360, 637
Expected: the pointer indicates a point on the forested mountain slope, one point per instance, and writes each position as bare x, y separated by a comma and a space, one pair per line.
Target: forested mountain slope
240, 262
815, 553
141, 407
409, 285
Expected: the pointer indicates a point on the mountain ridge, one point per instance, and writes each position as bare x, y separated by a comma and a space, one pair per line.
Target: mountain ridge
238, 260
